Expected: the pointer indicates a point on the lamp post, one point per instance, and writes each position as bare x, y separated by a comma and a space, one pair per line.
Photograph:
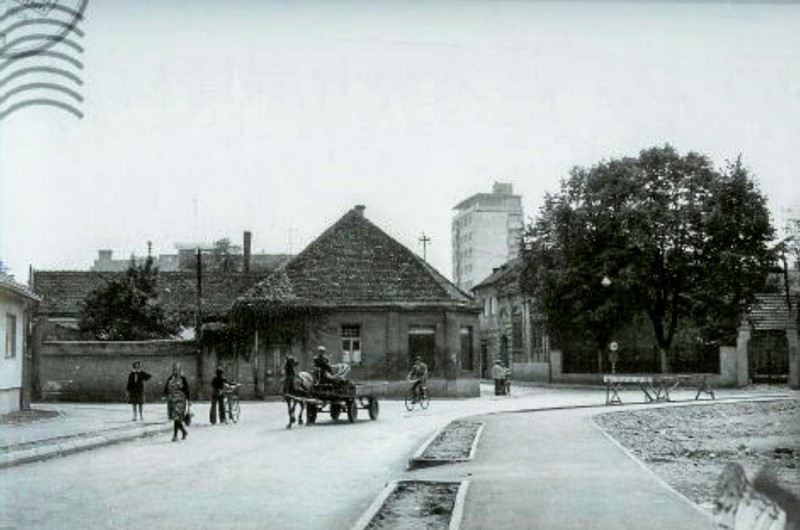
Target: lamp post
605, 283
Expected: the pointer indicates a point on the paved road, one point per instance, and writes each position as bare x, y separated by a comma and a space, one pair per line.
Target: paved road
255, 474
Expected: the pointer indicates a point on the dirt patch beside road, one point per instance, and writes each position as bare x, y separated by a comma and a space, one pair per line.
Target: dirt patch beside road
689, 446
413, 504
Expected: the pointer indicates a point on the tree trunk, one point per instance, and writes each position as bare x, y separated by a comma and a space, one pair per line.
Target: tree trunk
663, 359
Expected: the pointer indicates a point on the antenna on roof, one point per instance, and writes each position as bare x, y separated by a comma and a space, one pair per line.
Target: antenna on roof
424, 239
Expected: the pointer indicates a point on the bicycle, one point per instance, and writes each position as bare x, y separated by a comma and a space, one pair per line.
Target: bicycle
417, 396
232, 408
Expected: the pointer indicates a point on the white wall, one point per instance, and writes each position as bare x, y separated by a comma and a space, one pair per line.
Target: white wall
11, 368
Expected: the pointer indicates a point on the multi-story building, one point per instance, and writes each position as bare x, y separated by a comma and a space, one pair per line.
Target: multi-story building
485, 233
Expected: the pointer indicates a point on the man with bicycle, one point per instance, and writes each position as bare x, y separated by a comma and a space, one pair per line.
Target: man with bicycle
418, 376
218, 383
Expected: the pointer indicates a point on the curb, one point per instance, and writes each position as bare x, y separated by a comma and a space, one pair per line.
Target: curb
416, 461
81, 443
456, 516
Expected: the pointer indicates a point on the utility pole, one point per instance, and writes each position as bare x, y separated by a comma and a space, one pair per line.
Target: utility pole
424, 239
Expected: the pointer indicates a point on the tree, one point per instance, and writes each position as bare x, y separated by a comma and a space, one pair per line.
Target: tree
127, 308
675, 237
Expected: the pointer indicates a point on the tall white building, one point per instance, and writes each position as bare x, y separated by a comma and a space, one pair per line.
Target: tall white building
485, 233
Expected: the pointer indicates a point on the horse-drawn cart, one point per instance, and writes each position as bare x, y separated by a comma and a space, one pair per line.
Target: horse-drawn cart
338, 397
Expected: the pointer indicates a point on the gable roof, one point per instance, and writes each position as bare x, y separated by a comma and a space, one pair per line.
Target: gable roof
504, 278
63, 291
356, 264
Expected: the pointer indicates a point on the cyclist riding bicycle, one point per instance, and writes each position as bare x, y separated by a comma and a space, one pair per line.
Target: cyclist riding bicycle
418, 376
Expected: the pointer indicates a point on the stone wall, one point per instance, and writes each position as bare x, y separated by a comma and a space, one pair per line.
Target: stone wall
98, 371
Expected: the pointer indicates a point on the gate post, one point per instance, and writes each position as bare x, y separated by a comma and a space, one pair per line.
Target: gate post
742, 372
794, 353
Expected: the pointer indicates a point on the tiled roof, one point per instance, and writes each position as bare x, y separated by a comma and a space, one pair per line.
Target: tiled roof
9, 285
505, 278
770, 312
63, 291
356, 264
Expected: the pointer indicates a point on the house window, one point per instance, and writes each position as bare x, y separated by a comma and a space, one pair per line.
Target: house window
351, 344
467, 354
487, 307
11, 335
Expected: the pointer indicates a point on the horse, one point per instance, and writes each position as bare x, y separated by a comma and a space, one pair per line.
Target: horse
295, 384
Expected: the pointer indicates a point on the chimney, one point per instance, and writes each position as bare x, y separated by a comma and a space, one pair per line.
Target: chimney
359, 209
247, 239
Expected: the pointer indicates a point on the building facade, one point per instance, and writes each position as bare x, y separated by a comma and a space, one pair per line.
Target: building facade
510, 329
15, 304
485, 233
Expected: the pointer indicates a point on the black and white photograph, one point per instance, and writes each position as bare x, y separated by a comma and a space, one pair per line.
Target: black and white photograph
399, 264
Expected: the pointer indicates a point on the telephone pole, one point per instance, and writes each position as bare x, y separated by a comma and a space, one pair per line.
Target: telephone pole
424, 239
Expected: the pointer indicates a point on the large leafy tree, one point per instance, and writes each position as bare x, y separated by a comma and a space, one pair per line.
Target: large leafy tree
663, 234
127, 308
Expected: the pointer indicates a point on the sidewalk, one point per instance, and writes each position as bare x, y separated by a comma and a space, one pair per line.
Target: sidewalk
555, 469
58, 429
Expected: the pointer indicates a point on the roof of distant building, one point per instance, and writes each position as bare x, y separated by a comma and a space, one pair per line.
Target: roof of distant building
63, 291
501, 193
504, 278
356, 264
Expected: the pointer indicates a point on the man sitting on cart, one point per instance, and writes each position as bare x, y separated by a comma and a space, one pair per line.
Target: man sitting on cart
322, 367
418, 376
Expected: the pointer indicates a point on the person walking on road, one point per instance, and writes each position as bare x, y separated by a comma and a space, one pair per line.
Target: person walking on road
176, 390
135, 388
218, 383
499, 374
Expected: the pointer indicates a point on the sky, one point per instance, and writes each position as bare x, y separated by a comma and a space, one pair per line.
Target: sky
204, 119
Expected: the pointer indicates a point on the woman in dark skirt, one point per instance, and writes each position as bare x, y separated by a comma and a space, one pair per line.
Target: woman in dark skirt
177, 391
135, 388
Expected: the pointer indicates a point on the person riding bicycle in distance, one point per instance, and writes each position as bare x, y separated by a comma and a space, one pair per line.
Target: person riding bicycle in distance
418, 376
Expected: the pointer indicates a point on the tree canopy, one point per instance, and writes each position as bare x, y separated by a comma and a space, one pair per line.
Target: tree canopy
673, 237
127, 308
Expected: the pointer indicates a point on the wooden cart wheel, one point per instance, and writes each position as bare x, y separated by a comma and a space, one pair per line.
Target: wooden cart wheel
311, 413
352, 410
336, 411
374, 409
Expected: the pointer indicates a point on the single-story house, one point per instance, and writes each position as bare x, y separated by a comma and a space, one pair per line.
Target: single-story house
373, 304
